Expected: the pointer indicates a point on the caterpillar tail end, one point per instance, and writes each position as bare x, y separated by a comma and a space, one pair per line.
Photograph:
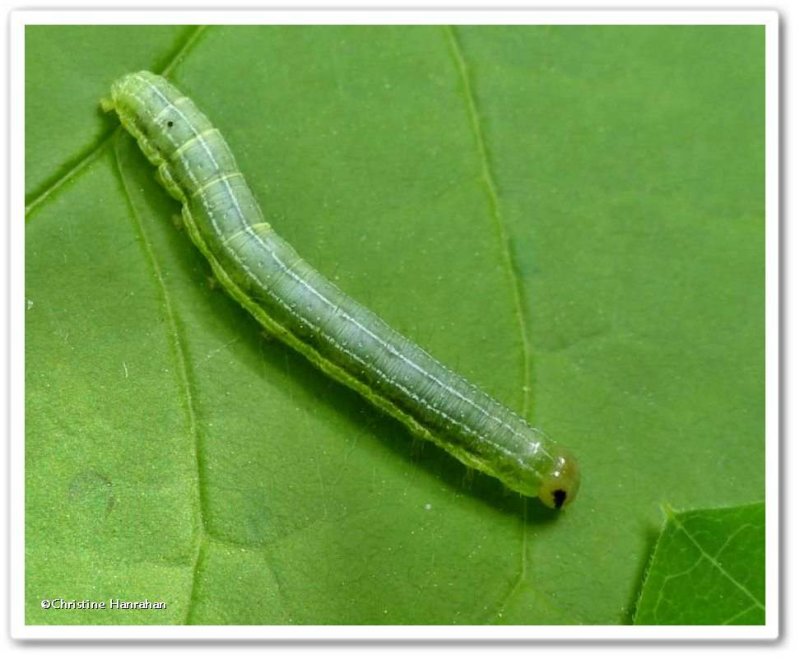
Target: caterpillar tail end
107, 104
561, 485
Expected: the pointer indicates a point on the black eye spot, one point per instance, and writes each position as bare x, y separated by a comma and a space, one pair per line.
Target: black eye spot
169, 123
558, 498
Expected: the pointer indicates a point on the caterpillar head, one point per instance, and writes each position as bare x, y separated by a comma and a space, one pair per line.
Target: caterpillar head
561, 484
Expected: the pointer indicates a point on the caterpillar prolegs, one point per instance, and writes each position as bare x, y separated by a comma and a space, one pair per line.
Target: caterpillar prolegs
297, 304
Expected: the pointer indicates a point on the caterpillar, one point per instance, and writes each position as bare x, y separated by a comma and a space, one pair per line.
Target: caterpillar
297, 304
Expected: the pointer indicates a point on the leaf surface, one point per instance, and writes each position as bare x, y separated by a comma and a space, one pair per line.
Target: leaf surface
707, 568
572, 217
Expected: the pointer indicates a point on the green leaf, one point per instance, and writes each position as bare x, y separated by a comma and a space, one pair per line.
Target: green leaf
572, 217
707, 569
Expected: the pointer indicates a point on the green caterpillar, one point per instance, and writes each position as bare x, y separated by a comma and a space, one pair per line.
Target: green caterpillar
300, 306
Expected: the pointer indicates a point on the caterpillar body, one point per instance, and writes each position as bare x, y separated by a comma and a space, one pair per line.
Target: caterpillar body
297, 304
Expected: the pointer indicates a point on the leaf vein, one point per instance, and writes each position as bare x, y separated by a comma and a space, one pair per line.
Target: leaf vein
716, 564
179, 352
494, 205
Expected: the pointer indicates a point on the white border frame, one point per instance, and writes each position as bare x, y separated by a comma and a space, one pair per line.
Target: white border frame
18, 21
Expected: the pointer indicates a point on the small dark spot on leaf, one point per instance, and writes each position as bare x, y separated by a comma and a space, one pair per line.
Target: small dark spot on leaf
92, 493
170, 123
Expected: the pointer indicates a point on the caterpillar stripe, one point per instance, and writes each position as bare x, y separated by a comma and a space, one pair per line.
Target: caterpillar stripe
297, 304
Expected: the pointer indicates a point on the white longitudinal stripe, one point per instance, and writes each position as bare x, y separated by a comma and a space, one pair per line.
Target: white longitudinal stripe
536, 446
